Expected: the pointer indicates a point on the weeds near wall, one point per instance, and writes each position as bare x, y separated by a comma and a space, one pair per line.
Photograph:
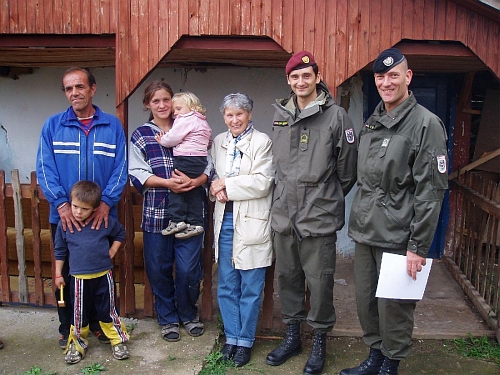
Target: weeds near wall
480, 348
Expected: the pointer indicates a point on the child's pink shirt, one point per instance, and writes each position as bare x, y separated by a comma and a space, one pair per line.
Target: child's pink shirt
190, 135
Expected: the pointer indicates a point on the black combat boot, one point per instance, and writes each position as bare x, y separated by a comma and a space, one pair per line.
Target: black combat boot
370, 366
389, 367
290, 346
316, 359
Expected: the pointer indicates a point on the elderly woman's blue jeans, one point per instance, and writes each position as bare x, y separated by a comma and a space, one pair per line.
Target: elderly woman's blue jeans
175, 299
239, 292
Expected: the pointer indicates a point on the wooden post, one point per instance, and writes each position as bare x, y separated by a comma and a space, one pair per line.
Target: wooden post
461, 146
21, 250
127, 288
37, 241
4, 258
268, 302
207, 259
127, 276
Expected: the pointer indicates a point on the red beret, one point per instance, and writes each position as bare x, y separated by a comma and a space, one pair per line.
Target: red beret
300, 60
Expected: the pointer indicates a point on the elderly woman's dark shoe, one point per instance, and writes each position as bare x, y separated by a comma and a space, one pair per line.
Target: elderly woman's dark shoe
242, 356
228, 351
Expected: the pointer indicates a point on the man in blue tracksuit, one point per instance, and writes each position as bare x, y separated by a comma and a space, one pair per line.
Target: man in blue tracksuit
82, 143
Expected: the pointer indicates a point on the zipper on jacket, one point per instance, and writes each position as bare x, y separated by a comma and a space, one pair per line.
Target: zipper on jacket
394, 217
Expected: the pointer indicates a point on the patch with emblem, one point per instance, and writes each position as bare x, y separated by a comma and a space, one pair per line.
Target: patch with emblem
349, 135
441, 161
304, 138
280, 123
388, 61
385, 142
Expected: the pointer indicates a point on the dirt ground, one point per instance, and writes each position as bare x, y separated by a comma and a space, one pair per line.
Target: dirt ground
30, 337
432, 357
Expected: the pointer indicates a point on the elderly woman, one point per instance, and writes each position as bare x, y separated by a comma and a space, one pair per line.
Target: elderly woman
242, 187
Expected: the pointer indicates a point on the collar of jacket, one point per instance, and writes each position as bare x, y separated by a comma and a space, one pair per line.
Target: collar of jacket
397, 114
243, 145
70, 117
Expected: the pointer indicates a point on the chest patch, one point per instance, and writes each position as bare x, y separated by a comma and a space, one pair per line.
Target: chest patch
385, 142
441, 161
349, 135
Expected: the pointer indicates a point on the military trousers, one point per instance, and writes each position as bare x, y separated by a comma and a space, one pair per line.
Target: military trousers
311, 262
387, 324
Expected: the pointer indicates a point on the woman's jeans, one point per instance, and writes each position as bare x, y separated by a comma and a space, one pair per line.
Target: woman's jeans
175, 299
239, 292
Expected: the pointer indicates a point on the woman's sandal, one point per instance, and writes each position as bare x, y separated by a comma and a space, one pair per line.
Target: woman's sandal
194, 327
170, 332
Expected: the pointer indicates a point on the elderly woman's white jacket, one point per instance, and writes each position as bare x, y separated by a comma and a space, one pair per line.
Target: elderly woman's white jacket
251, 192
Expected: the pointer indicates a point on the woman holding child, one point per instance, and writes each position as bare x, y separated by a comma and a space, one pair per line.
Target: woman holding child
151, 169
242, 187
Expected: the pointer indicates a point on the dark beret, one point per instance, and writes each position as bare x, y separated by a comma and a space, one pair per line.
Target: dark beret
387, 60
300, 60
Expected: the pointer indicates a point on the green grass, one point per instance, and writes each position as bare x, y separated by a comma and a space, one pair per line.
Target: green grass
215, 365
94, 369
480, 348
37, 371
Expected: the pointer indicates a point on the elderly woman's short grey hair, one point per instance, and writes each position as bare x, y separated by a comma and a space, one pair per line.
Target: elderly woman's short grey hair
237, 101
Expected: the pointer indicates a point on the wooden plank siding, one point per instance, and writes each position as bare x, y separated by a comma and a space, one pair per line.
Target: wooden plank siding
344, 35
338, 39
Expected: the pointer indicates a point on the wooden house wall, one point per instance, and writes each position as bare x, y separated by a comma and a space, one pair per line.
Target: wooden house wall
344, 35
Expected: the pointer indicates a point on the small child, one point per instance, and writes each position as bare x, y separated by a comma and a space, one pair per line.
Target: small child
90, 255
190, 137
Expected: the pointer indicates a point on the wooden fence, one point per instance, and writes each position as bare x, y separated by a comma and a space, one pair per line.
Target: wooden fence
475, 245
26, 252
27, 261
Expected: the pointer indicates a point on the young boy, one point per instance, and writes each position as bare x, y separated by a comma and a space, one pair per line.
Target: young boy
91, 252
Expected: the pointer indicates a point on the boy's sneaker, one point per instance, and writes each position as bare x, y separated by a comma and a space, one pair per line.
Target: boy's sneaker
72, 356
120, 351
63, 341
174, 227
190, 231
103, 339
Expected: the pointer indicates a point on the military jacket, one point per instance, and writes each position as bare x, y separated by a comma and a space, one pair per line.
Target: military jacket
314, 155
402, 178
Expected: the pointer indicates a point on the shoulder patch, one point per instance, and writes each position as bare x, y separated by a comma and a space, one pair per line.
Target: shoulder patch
441, 162
349, 135
280, 123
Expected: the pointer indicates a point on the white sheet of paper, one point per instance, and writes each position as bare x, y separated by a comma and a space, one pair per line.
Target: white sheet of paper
394, 282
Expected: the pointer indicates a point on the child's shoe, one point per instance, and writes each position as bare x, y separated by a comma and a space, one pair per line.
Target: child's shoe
190, 231
103, 339
63, 341
174, 227
120, 351
72, 355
